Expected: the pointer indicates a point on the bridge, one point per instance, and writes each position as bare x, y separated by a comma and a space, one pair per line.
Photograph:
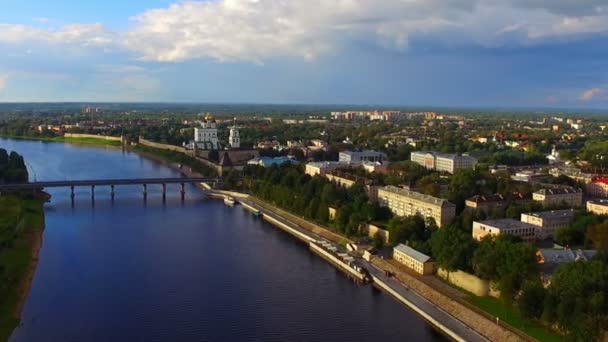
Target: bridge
112, 183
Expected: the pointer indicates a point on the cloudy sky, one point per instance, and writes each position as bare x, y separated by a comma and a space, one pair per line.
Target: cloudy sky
546, 53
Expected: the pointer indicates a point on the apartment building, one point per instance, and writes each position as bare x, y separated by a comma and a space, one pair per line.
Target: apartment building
443, 162
322, 168
559, 196
404, 202
598, 187
548, 221
598, 207
525, 231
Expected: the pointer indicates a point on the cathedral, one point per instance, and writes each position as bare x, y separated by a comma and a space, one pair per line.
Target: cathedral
206, 138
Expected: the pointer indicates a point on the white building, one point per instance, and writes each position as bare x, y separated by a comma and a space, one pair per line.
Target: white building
443, 162
353, 157
205, 137
234, 140
415, 260
525, 231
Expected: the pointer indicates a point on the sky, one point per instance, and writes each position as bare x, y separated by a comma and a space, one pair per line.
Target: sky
486, 53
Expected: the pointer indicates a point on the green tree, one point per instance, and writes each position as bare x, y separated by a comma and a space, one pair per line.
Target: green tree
452, 248
531, 300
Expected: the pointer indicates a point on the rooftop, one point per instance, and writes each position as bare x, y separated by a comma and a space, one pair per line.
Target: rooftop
506, 224
565, 255
417, 195
558, 191
407, 250
553, 214
602, 202
487, 198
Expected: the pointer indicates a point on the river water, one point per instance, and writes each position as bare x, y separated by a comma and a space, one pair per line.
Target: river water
196, 270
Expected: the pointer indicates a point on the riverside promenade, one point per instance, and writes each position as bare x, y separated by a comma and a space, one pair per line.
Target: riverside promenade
448, 324
435, 315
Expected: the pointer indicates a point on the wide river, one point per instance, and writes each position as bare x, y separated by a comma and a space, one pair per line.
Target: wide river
192, 271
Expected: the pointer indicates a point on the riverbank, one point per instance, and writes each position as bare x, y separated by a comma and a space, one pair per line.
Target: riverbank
21, 228
70, 140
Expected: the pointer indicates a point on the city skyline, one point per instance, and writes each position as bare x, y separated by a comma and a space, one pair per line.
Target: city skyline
417, 53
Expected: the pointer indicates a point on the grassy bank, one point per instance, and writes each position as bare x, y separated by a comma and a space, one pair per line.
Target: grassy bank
510, 315
176, 157
21, 225
85, 141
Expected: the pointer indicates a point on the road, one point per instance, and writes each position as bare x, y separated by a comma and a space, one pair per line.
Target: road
449, 321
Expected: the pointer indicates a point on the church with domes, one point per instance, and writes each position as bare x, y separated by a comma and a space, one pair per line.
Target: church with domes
205, 137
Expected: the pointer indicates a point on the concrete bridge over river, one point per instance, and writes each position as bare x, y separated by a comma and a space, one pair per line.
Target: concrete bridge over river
112, 183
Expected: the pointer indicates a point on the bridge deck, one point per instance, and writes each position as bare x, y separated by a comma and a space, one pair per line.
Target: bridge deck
105, 182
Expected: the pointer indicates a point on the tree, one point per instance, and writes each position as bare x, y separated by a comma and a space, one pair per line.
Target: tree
462, 185
598, 235
404, 229
452, 248
531, 300
506, 262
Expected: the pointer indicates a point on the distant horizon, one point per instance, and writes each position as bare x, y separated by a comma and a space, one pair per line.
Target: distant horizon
345, 106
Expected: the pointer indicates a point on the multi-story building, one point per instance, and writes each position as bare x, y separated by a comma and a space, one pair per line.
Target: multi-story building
443, 162
361, 157
525, 231
559, 196
205, 137
487, 203
598, 207
548, 221
322, 168
598, 187
409, 203
347, 180
413, 259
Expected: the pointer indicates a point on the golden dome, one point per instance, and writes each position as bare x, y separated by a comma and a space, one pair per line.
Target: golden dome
209, 117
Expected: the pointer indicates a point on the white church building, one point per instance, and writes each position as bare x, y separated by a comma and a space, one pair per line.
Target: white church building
206, 137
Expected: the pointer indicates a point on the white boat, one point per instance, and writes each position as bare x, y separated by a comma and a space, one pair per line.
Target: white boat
229, 201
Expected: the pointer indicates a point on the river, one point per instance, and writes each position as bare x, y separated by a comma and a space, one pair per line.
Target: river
196, 270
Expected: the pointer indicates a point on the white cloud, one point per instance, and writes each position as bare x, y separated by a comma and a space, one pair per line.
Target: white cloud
84, 35
591, 94
258, 30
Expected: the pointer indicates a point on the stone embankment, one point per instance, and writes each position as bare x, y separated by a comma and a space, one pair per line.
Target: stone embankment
476, 321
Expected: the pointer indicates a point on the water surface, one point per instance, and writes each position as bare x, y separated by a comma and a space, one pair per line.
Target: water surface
192, 271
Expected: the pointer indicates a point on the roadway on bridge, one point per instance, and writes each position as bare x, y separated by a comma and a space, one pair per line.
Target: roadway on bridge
106, 182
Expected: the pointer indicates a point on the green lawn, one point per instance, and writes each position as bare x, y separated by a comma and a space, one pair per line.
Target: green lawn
20, 219
510, 315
